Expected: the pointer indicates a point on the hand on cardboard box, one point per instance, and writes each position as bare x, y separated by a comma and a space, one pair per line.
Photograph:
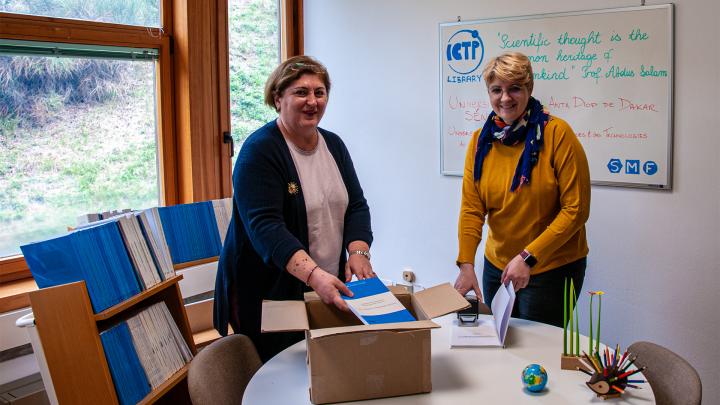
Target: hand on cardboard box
328, 288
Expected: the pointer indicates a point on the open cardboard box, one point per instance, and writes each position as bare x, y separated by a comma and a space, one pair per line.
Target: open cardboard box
350, 361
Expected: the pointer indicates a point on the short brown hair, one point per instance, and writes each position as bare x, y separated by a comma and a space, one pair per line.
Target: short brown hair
291, 70
512, 67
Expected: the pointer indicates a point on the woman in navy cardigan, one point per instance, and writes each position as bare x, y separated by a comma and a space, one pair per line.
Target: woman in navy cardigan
297, 209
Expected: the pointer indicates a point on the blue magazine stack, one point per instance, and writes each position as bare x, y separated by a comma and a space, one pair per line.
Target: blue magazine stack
131, 383
143, 351
191, 231
96, 255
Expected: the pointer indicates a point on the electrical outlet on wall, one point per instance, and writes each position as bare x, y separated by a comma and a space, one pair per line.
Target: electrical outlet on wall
408, 275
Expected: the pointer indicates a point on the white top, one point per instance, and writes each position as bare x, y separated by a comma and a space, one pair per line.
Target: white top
486, 375
326, 200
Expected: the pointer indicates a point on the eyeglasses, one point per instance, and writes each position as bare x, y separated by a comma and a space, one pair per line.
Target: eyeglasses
298, 66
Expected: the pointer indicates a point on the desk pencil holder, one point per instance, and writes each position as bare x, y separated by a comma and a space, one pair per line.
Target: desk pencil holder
609, 375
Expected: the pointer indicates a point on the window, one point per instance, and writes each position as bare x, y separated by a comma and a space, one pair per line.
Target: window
130, 12
77, 135
254, 42
166, 135
63, 119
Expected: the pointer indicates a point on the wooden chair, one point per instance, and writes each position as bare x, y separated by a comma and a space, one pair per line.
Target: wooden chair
673, 380
221, 371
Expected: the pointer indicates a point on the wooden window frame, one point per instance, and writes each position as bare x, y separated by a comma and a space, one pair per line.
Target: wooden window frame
291, 44
176, 165
291, 22
51, 29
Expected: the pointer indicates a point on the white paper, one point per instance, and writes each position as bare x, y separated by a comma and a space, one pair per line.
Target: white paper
373, 305
481, 334
487, 332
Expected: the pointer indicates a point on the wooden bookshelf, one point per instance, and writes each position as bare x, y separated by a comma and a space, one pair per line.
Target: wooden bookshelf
14, 294
180, 266
70, 335
165, 388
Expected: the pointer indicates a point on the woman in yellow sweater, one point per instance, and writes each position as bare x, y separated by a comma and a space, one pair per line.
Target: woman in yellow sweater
526, 174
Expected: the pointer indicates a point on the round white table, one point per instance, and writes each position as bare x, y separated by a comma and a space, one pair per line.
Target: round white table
487, 375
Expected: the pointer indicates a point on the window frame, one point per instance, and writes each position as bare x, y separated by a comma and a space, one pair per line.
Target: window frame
291, 44
291, 28
174, 175
52, 29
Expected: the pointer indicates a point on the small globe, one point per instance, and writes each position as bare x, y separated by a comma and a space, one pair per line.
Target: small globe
534, 377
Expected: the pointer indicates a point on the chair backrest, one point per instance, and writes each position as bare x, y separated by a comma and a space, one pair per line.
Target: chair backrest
221, 371
673, 380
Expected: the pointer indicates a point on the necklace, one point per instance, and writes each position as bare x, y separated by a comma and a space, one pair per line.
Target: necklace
297, 140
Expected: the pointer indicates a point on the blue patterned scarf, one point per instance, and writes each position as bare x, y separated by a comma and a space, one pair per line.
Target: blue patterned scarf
529, 128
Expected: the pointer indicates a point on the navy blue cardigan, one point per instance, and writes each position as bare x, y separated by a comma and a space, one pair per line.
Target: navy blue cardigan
268, 225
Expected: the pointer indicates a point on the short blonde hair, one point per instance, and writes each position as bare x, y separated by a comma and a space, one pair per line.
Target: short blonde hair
511, 67
291, 70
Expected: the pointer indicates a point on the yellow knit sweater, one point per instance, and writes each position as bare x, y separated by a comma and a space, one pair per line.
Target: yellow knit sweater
547, 216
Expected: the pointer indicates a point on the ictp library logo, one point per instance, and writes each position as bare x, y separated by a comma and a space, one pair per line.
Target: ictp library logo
465, 51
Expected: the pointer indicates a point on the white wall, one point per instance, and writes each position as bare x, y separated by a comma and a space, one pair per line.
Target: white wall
654, 253
12, 336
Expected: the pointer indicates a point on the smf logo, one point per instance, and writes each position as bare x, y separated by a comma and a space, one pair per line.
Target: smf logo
465, 51
632, 166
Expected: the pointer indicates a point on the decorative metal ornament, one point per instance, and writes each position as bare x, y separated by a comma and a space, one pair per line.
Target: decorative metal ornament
293, 188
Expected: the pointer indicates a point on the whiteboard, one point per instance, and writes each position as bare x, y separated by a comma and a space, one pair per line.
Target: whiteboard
608, 73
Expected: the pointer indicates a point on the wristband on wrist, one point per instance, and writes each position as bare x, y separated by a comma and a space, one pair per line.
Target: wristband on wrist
365, 253
307, 280
528, 258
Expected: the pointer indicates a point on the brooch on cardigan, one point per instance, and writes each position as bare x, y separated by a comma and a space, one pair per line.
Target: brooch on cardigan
293, 188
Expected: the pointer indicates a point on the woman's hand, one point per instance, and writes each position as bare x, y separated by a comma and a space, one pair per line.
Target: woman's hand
329, 287
360, 266
467, 280
516, 271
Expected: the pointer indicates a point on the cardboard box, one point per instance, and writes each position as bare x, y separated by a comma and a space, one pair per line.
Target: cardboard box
349, 361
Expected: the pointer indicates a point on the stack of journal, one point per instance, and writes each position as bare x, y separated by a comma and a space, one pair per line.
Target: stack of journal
97, 255
143, 352
121, 256
191, 231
